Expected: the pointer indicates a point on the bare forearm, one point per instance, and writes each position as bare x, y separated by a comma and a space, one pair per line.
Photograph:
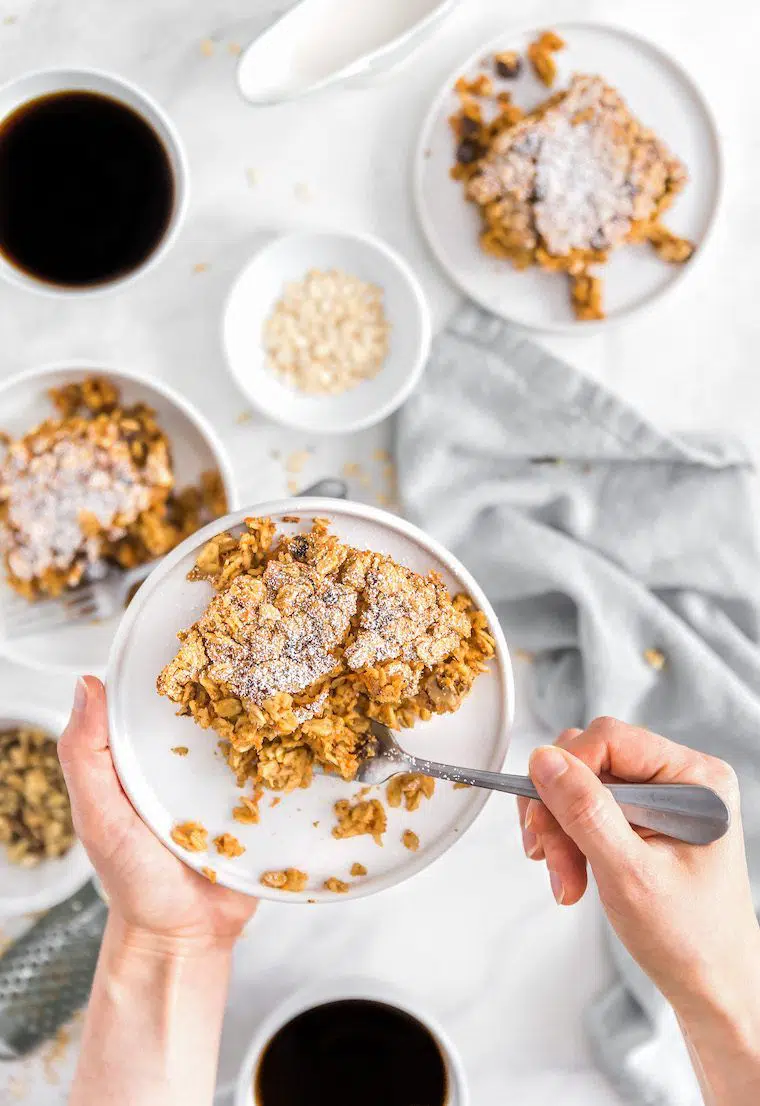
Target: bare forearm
151, 1035
722, 1034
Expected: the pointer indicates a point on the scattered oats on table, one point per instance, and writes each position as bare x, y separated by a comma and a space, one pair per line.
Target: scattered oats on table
297, 460
207, 47
289, 879
327, 333
655, 658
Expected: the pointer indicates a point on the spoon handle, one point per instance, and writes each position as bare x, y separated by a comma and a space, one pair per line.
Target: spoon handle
686, 812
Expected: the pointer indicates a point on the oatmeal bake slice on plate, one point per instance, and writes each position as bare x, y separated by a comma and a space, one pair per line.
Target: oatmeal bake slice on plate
98, 467
295, 630
568, 174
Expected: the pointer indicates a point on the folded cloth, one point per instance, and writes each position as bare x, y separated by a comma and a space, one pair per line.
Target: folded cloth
625, 559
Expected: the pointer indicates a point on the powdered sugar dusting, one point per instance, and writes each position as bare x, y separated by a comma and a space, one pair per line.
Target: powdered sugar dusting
48, 494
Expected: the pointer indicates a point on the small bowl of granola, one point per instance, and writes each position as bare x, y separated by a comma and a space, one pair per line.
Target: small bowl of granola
296, 632
99, 469
41, 861
326, 331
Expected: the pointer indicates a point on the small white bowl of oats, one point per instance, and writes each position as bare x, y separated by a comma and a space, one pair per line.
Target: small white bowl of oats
41, 861
326, 331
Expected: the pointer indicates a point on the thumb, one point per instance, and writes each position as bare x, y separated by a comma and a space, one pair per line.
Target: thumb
583, 807
98, 804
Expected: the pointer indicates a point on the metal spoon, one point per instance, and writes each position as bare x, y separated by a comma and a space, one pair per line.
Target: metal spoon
684, 811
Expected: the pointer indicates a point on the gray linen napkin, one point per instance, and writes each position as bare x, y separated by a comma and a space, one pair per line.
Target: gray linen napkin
598, 537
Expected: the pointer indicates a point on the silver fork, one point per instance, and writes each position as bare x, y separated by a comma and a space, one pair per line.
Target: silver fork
103, 593
95, 599
684, 811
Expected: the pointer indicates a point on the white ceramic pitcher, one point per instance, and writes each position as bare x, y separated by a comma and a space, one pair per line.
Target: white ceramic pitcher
321, 44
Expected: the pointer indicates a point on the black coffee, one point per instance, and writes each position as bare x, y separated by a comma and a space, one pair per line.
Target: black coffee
86, 189
352, 1053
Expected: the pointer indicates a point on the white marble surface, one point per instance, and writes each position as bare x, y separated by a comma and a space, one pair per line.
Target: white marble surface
477, 937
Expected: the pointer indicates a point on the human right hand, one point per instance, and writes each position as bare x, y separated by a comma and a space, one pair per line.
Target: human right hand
684, 912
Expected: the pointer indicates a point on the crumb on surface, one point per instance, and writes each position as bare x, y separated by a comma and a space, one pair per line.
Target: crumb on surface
358, 869
234, 48
410, 788
201, 267
247, 814
192, 836
252, 177
540, 55
180, 750
655, 658
276, 800
207, 47
244, 417
291, 518
296, 461
382, 455
461, 786
228, 845
410, 840
336, 885
288, 879
209, 873
524, 655
367, 816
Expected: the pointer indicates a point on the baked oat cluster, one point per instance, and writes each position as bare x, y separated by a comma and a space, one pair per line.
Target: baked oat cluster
35, 815
306, 641
93, 484
564, 185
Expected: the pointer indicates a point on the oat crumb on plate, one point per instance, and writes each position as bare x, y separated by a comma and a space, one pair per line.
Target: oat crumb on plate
192, 836
227, 844
288, 879
410, 788
540, 56
355, 819
209, 873
336, 885
358, 869
248, 814
180, 750
410, 840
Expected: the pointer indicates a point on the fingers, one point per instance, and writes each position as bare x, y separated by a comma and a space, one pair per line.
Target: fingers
584, 810
610, 747
536, 820
100, 809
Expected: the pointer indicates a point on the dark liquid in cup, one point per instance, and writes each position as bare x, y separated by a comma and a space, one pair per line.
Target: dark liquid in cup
86, 189
352, 1053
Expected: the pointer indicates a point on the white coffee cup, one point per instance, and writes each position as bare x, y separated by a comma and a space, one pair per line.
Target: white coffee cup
337, 990
43, 82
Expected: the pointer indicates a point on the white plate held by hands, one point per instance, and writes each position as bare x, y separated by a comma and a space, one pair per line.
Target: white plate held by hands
167, 789
658, 91
322, 44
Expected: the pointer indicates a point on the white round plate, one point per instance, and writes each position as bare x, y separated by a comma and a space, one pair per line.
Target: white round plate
260, 285
195, 446
663, 96
23, 890
167, 789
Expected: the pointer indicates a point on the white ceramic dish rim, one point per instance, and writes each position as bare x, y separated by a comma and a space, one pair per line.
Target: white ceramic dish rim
176, 153
327, 508
363, 65
432, 114
351, 987
80, 869
400, 395
78, 366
